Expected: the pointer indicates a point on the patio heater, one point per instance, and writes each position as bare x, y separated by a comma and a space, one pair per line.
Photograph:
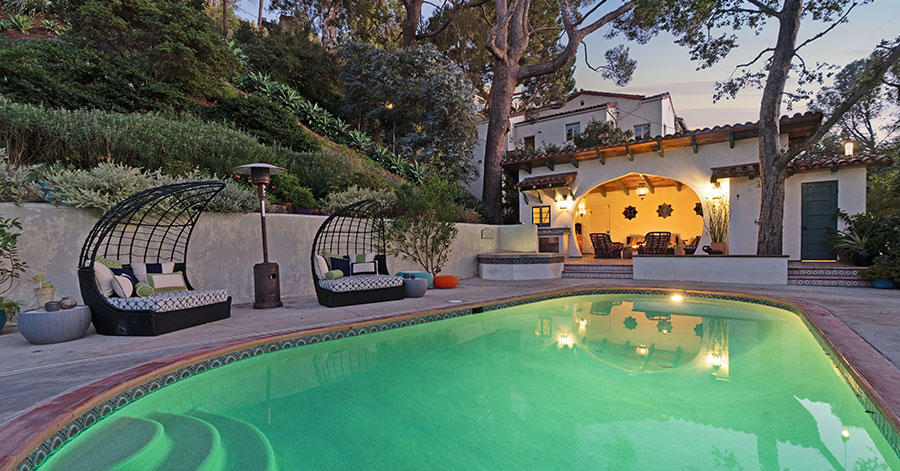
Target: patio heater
266, 284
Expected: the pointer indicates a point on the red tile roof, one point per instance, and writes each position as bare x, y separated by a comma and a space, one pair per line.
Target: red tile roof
609, 104
624, 96
748, 129
547, 181
803, 164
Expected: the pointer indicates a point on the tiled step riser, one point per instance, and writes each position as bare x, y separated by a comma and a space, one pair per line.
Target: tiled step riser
850, 283
598, 268
597, 275
819, 272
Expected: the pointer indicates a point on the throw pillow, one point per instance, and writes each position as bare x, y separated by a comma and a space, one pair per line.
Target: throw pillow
142, 269
161, 282
103, 276
126, 272
321, 266
342, 264
334, 275
109, 263
364, 268
143, 290
122, 286
328, 256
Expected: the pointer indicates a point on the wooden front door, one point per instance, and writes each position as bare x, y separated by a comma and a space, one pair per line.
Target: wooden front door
817, 214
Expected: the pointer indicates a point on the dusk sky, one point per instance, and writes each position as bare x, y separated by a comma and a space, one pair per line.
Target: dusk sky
666, 67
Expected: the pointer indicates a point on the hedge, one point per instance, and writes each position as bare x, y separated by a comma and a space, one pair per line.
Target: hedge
172, 144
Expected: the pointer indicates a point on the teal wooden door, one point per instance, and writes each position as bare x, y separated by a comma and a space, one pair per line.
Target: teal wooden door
819, 206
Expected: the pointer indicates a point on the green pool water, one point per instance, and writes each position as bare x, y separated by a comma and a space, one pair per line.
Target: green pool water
618, 382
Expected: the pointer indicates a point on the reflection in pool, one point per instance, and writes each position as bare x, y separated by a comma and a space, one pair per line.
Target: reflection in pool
592, 382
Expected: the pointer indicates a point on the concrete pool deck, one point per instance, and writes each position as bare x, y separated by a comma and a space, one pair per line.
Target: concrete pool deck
35, 374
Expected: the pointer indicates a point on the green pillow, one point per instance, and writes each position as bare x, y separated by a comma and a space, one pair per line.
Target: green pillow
334, 274
143, 290
167, 281
328, 255
109, 263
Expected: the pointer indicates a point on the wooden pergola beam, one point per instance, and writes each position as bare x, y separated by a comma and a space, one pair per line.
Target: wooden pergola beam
573, 161
677, 185
549, 164
628, 153
622, 186
526, 167
647, 182
602, 191
662, 152
601, 157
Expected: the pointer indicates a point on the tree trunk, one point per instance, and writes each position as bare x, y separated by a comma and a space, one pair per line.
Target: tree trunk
771, 209
225, 18
410, 25
502, 88
259, 17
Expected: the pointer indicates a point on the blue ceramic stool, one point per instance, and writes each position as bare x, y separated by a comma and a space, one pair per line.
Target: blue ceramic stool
419, 274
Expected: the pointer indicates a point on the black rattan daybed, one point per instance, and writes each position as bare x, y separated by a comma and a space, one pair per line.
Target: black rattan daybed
151, 226
355, 229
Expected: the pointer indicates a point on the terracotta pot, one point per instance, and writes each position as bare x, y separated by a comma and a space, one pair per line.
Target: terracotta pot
44, 295
445, 282
723, 246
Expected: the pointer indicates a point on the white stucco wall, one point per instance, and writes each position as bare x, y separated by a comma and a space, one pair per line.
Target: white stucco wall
223, 249
693, 170
745, 200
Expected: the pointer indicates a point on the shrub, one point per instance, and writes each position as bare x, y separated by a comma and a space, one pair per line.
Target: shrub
338, 200
26, 6
103, 186
170, 39
286, 188
268, 122
600, 133
292, 56
884, 266
83, 138
425, 229
58, 74
18, 184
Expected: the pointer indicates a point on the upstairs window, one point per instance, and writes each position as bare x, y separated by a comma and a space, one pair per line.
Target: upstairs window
641, 131
540, 216
572, 130
529, 142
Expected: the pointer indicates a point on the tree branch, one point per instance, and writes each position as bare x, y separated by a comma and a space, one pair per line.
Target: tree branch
859, 90
840, 20
495, 31
763, 8
449, 19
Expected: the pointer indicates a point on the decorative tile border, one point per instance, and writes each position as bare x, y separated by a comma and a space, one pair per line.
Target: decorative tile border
597, 275
521, 261
73, 427
845, 283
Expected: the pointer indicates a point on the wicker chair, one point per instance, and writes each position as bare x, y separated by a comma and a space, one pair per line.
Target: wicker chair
604, 247
151, 226
655, 243
355, 229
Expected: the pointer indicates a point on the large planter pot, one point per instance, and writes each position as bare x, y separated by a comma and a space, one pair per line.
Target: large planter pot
2, 319
845, 257
445, 282
44, 295
723, 246
415, 287
883, 283
861, 258
41, 327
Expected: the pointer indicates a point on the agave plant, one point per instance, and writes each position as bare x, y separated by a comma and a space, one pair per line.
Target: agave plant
417, 171
396, 163
337, 129
5, 25
23, 23
237, 51
303, 109
254, 81
282, 93
380, 154
52, 26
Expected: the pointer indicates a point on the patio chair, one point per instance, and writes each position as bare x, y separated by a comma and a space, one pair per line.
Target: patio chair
357, 229
655, 243
150, 227
604, 247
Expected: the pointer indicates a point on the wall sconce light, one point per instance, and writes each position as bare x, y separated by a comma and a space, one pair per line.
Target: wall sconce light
563, 203
716, 192
642, 191
848, 148
582, 210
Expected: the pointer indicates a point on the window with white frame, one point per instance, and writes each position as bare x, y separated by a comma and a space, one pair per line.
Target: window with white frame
641, 131
540, 216
571, 130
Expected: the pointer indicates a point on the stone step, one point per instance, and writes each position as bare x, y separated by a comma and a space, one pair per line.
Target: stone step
598, 268
117, 443
852, 272
845, 281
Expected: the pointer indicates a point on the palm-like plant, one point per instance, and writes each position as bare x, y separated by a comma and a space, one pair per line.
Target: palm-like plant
254, 81
396, 163
5, 25
417, 171
380, 154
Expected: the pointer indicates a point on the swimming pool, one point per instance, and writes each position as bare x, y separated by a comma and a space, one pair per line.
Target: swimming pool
622, 381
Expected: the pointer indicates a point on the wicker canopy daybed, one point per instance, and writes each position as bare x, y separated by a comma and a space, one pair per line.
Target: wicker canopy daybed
152, 226
357, 229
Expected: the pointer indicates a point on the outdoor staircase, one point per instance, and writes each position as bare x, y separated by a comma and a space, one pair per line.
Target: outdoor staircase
825, 274
198, 441
574, 270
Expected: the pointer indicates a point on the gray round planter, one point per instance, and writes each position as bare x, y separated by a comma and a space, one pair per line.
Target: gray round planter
415, 288
40, 327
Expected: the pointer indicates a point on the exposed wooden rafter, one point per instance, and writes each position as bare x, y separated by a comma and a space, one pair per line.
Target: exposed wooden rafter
573, 161
647, 182
601, 157
526, 168
677, 185
693, 144
549, 164
659, 148
602, 191
628, 153
623, 187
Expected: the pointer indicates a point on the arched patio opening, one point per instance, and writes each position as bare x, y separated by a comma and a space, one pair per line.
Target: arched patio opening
630, 206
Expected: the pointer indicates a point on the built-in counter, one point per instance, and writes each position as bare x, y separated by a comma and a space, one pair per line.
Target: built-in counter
756, 269
520, 265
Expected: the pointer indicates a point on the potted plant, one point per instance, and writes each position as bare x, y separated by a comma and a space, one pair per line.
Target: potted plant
426, 228
884, 272
11, 268
44, 291
854, 244
716, 223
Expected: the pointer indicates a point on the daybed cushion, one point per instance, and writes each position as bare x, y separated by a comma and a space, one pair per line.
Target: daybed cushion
170, 300
361, 283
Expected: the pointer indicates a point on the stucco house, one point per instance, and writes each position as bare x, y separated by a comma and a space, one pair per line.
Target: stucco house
665, 182
643, 115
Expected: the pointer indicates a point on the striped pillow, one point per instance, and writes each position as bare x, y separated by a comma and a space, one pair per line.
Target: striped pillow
161, 282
